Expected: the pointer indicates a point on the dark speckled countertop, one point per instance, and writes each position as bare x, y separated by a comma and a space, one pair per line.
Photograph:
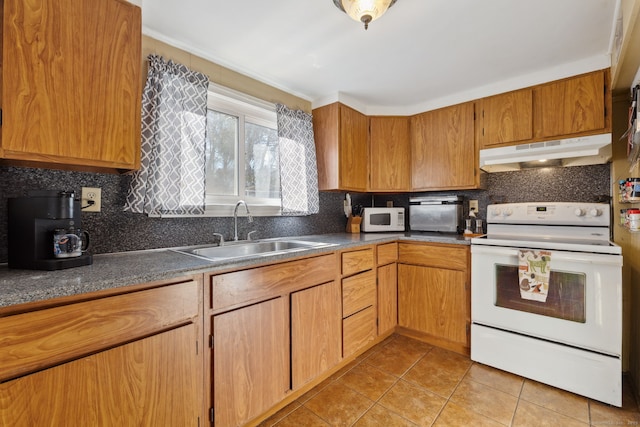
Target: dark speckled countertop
116, 270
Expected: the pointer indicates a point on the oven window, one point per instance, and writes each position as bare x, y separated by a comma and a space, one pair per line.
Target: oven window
565, 300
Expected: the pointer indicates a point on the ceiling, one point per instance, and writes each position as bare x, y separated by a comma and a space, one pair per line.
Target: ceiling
421, 55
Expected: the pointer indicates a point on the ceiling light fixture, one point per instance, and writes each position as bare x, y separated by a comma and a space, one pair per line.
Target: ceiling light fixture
364, 11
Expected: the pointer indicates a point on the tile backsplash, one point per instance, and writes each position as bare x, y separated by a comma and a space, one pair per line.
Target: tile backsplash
113, 230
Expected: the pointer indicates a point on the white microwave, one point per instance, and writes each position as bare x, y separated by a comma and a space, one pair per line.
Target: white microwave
382, 219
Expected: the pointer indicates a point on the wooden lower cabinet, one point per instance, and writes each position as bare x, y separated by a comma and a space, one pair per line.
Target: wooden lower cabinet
250, 361
133, 358
315, 332
359, 299
433, 301
358, 330
148, 382
387, 298
358, 292
434, 295
274, 329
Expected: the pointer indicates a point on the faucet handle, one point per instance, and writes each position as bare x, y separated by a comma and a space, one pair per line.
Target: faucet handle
220, 238
249, 235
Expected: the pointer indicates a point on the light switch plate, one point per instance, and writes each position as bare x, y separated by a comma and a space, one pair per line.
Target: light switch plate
91, 193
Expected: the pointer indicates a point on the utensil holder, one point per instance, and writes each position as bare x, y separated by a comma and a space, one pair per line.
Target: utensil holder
353, 224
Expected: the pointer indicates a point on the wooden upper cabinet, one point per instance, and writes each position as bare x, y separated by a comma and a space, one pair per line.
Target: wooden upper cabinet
341, 135
71, 83
443, 150
505, 118
389, 150
572, 106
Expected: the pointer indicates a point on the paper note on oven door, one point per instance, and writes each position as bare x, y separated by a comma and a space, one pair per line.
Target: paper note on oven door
534, 270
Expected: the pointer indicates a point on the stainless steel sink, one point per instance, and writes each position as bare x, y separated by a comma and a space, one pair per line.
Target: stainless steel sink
235, 250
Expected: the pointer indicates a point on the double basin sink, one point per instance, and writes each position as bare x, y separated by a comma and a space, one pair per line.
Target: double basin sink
249, 248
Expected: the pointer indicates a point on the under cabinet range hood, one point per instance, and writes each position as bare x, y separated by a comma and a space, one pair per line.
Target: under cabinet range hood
585, 150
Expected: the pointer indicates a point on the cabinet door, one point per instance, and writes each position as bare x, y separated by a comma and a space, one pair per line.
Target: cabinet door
506, 118
433, 301
342, 148
316, 334
389, 151
358, 330
571, 106
387, 298
71, 82
358, 292
443, 149
250, 361
151, 382
354, 150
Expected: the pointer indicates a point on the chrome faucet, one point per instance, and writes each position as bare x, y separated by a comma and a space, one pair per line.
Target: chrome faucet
235, 217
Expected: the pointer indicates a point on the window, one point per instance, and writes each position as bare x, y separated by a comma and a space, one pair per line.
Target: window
242, 154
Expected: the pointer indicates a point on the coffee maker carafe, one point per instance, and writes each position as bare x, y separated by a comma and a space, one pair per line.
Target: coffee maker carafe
35, 222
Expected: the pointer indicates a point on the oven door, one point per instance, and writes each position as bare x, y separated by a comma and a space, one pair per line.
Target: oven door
583, 307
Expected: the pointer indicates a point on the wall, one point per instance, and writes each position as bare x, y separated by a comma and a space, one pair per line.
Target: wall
571, 184
221, 75
114, 230
630, 243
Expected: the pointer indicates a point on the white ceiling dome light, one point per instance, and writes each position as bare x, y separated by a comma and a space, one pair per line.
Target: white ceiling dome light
364, 11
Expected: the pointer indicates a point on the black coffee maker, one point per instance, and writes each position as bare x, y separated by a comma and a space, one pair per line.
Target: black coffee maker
33, 220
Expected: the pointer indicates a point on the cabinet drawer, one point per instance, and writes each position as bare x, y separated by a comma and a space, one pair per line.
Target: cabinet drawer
40, 339
358, 329
453, 257
357, 261
262, 283
358, 292
387, 253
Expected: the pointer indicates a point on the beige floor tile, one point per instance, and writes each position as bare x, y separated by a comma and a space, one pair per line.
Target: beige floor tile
317, 389
411, 344
394, 360
556, 400
531, 415
381, 416
345, 369
368, 353
272, 420
339, 405
456, 416
607, 415
303, 417
448, 361
485, 400
484, 397
414, 403
501, 380
368, 380
432, 377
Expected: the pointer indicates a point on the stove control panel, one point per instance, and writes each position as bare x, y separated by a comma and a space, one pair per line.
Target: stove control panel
554, 213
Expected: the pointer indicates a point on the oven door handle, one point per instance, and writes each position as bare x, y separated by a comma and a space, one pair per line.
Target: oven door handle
556, 255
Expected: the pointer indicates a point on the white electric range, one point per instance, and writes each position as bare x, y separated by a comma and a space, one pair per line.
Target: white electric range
560, 325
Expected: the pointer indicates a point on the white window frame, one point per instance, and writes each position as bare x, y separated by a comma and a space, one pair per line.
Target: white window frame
260, 112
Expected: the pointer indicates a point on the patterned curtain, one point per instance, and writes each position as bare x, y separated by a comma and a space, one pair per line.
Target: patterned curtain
171, 179
298, 166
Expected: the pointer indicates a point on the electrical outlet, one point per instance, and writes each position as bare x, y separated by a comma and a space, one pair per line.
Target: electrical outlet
389, 203
473, 206
93, 194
